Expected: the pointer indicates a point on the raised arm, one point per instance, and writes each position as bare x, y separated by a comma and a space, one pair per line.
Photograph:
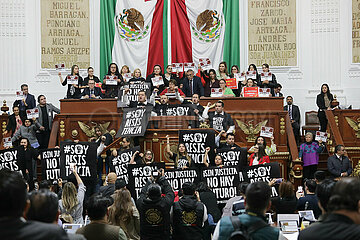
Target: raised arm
168, 150
206, 157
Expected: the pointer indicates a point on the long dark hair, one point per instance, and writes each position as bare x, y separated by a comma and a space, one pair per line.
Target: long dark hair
234, 66
214, 72
261, 152
255, 68
72, 70
157, 65
328, 90
256, 141
117, 73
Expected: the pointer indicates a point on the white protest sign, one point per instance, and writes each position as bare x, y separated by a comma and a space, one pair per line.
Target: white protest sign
240, 76
7, 142
321, 136
177, 67
60, 66
205, 63
127, 76
251, 74
264, 92
72, 79
157, 81
267, 132
111, 80
32, 113
266, 76
216, 92
189, 66
19, 95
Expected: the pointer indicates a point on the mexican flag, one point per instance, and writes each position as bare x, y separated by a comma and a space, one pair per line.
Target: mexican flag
142, 33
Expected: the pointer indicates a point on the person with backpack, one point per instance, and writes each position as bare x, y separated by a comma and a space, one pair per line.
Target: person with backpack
252, 225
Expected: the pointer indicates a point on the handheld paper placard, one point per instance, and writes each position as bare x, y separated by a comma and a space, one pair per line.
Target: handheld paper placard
251, 92
72, 79
216, 92
321, 136
157, 81
232, 83
7, 142
111, 80
177, 67
127, 76
60, 66
267, 132
32, 113
19, 95
189, 66
264, 92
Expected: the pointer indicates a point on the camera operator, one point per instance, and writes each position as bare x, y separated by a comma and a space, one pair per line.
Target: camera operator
154, 208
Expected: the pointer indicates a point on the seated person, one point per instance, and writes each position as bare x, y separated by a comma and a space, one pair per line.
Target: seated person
92, 92
172, 89
219, 120
258, 156
192, 84
227, 92
142, 101
277, 91
262, 141
160, 109
286, 202
181, 158
310, 200
249, 83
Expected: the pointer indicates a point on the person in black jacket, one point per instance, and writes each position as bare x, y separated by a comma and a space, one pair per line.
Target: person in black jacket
268, 84
112, 91
73, 91
16, 120
323, 101
338, 164
277, 91
154, 208
252, 67
157, 72
28, 102
294, 114
219, 120
92, 92
188, 215
192, 84
90, 76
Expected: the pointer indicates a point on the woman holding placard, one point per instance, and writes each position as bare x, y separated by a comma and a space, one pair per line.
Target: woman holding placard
227, 92
181, 158
309, 154
73, 91
111, 89
261, 141
234, 71
251, 68
146, 158
222, 72
323, 101
249, 83
218, 159
137, 76
258, 156
170, 75
28, 131
71, 202
157, 79
210, 82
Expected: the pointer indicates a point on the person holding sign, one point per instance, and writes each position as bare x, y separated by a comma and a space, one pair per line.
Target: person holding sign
323, 101
251, 68
172, 89
219, 120
235, 72
28, 130
71, 202
111, 91
258, 156
268, 83
309, 154
227, 92
222, 72
170, 75
73, 91
90, 76
146, 158
218, 159
142, 101
249, 83
124, 69
262, 141
157, 73
16, 120
92, 92
210, 82
28, 101
181, 158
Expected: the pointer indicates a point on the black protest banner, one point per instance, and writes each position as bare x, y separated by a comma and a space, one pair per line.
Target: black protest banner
135, 87
138, 176
82, 155
177, 177
230, 157
9, 159
264, 172
222, 181
134, 122
119, 163
50, 164
178, 110
196, 141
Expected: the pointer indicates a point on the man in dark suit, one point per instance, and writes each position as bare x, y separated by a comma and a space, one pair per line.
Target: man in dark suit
338, 164
294, 114
46, 117
192, 84
14, 205
142, 101
109, 188
28, 102
277, 91
92, 92
16, 120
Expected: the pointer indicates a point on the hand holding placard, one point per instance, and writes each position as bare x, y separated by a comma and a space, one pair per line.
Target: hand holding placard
267, 132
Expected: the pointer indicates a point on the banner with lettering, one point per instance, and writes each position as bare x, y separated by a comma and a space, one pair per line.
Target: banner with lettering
119, 164
82, 155
9, 160
50, 164
230, 157
177, 177
134, 122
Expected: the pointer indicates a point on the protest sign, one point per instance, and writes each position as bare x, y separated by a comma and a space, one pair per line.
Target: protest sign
32, 113
20, 95
230, 157
157, 81
222, 181
127, 76
232, 83
135, 87
189, 66
177, 67
263, 172
134, 122
251, 91
7, 142
205, 63
266, 132
9, 159
60, 66
111, 80
196, 141
178, 110
82, 155
240, 76
139, 175
266, 76
119, 164
216, 92
71, 79
251, 74
177, 177
50, 164
264, 92
321, 136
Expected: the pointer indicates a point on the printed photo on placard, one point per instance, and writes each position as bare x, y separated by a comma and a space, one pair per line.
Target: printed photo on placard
7, 142
157, 81
111, 80
19, 95
50, 164
267, 132
216, 92
72, 79
177, 67
230, 157
32, 113
251, 74
60, 66
266, 76
190, 66
127, 76
205, 63
178, 110
264, 92
134, 122
9, 158
321, 136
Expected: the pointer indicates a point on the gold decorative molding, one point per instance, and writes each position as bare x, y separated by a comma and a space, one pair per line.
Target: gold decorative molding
282, 126
74, 133
355, 125
281, 153
4, 125
337, 120
62, 129
155, 137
